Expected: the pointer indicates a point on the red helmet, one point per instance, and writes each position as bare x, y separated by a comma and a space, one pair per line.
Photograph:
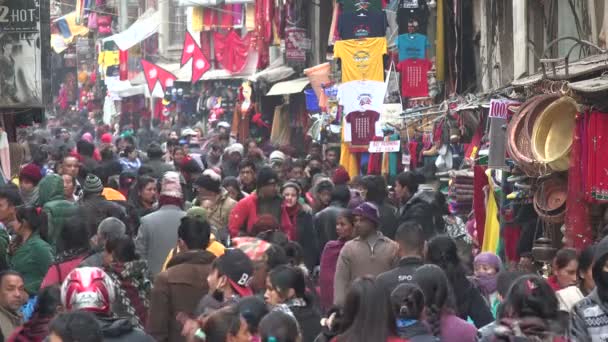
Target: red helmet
89, 289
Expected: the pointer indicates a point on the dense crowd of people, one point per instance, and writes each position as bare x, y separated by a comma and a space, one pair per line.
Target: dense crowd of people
224, 242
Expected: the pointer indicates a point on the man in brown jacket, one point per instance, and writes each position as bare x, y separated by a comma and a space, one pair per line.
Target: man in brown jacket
183, 284
369, 254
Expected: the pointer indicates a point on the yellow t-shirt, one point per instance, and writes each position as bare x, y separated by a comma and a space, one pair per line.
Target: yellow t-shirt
361, 58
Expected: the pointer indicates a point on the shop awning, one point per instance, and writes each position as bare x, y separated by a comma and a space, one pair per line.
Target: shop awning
147, 25
289, 87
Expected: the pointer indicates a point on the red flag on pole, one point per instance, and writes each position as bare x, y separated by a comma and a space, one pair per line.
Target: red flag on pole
192, 51
154, 74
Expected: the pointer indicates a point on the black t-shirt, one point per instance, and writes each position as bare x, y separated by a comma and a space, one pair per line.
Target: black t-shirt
353, 5
412, 10
354, 25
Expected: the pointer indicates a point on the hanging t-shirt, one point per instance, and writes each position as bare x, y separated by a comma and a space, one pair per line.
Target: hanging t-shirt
360, 96
361, 58
412, 10
360, 5
368, 24
362, 125
412, 46
414, 81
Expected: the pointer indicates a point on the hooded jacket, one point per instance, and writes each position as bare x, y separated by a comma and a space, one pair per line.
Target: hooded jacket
589, 317
178, 289
57, 209
119, 329
32, 259
422, 210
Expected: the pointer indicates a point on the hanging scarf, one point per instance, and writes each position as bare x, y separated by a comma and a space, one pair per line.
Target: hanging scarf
288, 220
486, 283
29, 197
132, 287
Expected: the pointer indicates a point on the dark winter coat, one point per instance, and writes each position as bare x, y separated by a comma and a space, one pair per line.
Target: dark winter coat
96, 209
159, 166
118, 330
422, 210
403, 273
325, 224
307, 238
309, 320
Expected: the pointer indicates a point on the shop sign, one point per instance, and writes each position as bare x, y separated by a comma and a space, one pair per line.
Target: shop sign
19, 16
499, 108
384, 146
20, 54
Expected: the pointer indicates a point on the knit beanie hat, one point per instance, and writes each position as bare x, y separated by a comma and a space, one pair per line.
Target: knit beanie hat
197, 213
488, 258
31, 172
239, 148
266, 176
170, 185
277, 157
92, 185
341, 176
369, 211
106, 138
210, 181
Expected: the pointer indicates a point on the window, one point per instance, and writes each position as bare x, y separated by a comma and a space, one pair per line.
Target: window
177, 24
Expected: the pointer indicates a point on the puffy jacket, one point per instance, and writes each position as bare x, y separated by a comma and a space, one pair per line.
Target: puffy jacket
55, 207
422, 210
243, 215
96, 208
117, 330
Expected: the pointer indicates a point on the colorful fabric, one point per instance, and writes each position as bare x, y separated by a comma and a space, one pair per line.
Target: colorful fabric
231, 50
492, 226
362, 59
414, 82
362, 126
412, 46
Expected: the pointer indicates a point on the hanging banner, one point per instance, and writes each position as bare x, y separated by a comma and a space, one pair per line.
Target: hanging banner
20, 54
296, 44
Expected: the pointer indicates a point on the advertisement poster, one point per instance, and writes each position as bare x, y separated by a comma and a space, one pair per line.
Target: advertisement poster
296, 45
20, 54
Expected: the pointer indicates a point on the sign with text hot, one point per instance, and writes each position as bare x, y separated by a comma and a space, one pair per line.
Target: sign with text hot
19, 16
20, 54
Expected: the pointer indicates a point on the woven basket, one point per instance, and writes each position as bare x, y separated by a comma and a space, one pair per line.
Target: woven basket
550, 199
519, 133
553, 132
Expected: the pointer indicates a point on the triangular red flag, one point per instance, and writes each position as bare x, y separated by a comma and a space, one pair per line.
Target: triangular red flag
200, 65
153, 74
190, 46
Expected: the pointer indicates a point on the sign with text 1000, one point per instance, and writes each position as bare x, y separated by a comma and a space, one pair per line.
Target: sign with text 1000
19, 16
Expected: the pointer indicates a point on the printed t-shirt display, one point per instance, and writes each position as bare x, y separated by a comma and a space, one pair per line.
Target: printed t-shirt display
362, 125
362, 59
354, 25
414, 81
361, 96
412, 10
361, 5
412, 45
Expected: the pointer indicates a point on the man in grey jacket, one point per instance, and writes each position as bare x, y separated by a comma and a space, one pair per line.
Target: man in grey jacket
158, 231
